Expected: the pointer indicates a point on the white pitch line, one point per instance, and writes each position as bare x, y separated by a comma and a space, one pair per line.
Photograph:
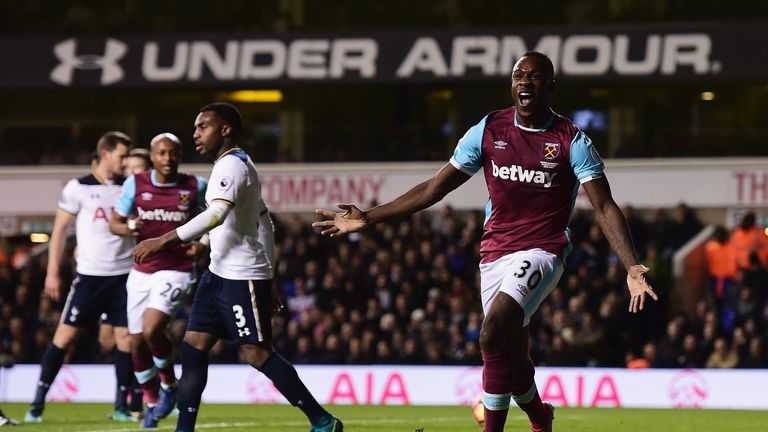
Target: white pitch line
359, 422
199, 426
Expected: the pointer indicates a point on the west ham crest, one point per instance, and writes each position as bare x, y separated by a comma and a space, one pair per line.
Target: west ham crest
551, 150
184, 197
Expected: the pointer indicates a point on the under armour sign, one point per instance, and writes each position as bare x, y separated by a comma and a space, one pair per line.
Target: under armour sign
69, 59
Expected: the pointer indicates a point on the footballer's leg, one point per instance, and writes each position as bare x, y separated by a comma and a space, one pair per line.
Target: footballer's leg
85, 300
50, 364
144, 371
160, 348
204, 327
194, 376
168, 289
513, 288
250, 306
117, 315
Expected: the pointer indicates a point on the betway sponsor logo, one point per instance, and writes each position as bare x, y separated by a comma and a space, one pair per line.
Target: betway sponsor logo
518, 173
162, 215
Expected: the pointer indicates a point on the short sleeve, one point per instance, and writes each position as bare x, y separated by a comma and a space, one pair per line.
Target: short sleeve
228, 178
585, 161
202, 185
124, 205
467, 156
69, 201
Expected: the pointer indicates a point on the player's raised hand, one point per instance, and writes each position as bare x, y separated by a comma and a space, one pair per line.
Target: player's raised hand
638, 288
336, 224
53, 286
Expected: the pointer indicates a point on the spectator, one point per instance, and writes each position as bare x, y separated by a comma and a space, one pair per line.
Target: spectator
684, 226
756, 357
559, 354
749, 238
723, 356
721, 265
691, 355
670, 347
648, 360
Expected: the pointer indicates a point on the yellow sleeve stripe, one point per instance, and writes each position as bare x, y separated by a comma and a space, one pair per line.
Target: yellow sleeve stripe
227, 202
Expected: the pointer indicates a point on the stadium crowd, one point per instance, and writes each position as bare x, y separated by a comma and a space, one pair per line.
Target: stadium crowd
406, 293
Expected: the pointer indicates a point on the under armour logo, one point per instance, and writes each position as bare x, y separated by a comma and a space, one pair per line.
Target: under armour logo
243, 332
111, 72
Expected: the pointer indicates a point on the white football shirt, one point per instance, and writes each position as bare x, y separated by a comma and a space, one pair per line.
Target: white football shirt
236, 252
99, 252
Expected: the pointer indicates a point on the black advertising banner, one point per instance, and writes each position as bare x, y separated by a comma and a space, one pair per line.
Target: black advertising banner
636, 52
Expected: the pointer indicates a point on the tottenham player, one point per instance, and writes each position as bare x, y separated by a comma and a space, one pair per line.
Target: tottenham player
236, 296
533, 161
103, 263
136, 162
162, 200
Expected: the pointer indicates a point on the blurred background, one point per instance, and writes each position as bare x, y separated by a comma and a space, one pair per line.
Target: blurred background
674, 95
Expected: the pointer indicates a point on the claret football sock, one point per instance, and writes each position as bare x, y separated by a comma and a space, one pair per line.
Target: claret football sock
194, 376
162, 356
497, 388
146, 374
526, 395
50, 366
287, 381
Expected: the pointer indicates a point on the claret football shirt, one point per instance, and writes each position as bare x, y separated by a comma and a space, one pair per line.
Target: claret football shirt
533, 176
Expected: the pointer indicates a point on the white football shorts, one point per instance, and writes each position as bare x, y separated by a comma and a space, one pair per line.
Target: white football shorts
526, 276
164, 290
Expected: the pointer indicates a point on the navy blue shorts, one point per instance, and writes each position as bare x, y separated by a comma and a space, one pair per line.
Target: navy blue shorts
240, 310
91, 296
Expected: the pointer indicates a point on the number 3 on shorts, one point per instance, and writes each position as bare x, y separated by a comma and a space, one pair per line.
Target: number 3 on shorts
238, 310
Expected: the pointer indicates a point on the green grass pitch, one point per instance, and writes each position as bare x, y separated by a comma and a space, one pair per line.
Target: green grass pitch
282, 418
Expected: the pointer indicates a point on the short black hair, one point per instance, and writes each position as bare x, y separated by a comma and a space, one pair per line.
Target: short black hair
110, 140
543, 57
229, 113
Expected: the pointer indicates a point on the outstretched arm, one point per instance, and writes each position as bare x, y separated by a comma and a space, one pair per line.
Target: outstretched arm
212, 217
421, 196
614, 226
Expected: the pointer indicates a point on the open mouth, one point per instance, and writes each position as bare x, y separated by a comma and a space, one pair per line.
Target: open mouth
525, 98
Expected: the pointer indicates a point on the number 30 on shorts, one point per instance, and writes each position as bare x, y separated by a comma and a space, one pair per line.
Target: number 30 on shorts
533, 280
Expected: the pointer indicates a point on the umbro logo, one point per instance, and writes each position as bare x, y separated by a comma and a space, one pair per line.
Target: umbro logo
70, 60
146, 196
501, 145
